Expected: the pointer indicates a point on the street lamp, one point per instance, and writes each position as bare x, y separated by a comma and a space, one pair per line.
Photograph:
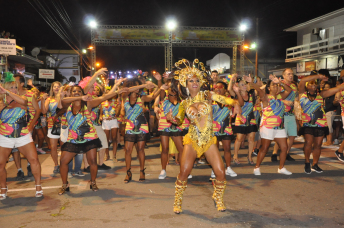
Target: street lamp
97, 64
84, 51
253, 46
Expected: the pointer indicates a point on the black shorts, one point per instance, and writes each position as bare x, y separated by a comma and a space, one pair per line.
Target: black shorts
136, 137
81, 148
315, 131
225, 137
245, 129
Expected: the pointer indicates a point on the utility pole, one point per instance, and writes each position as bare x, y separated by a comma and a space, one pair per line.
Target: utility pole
80, 57
257, 46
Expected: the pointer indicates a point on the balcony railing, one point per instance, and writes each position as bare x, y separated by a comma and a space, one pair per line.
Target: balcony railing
334, 45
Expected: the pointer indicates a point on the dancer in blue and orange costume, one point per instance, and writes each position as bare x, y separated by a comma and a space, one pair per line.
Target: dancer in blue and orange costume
49, 107
272, 123
136, 129
110, 111
245, 124
222, 126
82, 135
314, 123
14, 132
90, 86
170, 101
200, 138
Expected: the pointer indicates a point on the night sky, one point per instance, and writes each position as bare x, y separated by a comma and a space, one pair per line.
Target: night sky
21, 19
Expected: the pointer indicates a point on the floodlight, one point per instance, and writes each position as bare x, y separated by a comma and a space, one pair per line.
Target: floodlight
243, 27
171, 25
93, 24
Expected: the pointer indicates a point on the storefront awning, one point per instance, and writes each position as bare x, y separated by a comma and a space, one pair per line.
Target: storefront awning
25, 59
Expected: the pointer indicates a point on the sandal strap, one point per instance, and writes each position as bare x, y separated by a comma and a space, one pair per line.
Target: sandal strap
219, 191
143, 170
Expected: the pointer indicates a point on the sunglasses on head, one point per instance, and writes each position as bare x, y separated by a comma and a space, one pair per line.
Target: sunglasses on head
171, 95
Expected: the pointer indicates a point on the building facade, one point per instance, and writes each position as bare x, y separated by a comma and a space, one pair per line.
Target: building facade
67, 62
320, 44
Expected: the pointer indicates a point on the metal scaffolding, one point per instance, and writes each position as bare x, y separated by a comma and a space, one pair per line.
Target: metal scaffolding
234, 68
166, 43
242, 59
93, 52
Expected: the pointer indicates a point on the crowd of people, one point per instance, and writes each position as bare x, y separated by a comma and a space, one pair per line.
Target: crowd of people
193, 111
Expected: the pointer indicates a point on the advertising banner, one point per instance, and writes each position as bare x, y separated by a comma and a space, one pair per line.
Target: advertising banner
8, 47
162, 34
48, 74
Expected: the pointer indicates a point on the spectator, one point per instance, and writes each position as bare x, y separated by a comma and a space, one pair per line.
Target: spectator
329, 109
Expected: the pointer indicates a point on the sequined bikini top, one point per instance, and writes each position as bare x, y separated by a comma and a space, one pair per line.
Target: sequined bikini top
199, 111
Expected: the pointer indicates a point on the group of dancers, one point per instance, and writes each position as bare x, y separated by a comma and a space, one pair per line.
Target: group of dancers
194, 108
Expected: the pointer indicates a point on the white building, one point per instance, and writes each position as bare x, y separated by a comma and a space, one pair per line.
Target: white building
67, 63
223, 64
320, 44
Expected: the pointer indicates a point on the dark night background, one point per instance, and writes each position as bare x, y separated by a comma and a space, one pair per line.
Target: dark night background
21, 19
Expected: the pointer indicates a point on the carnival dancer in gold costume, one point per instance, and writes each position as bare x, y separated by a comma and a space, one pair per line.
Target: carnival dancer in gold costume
200, 138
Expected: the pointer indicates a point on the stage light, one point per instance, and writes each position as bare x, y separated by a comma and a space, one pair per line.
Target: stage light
243, 27
171, 25
93, 24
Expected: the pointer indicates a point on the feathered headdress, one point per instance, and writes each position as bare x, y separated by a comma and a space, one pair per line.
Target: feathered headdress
186, 71
8, 77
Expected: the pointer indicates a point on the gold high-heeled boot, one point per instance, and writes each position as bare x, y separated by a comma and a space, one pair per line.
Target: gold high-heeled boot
219, 191
178, 197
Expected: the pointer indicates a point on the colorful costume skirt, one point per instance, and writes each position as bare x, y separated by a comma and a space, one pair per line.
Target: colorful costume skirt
81, 148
